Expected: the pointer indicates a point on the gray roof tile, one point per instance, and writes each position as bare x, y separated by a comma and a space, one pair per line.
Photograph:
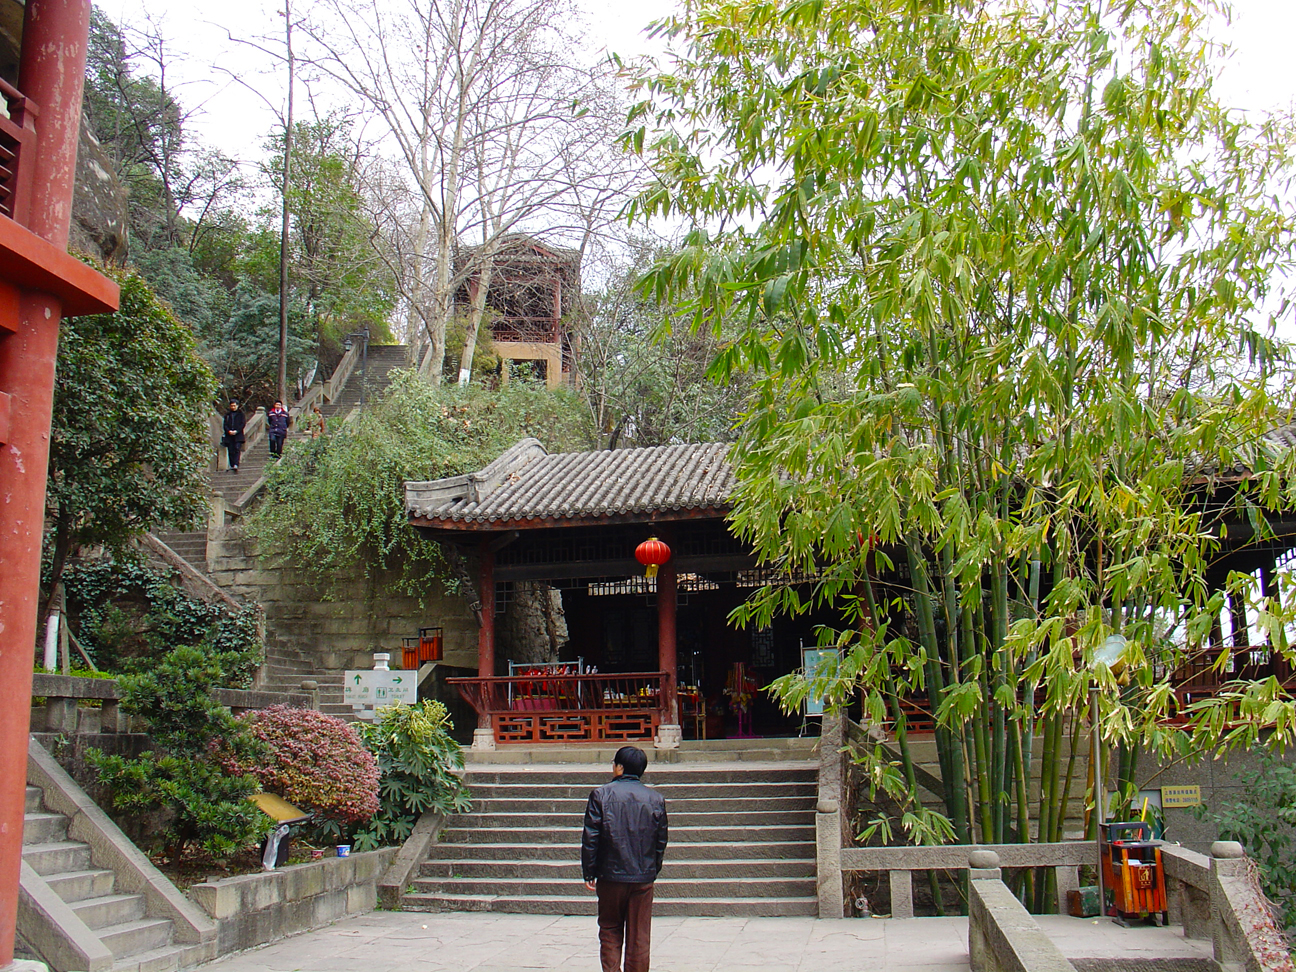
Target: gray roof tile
527, 483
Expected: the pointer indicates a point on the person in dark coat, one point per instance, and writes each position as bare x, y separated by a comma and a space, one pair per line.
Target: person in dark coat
277, 420
232, 439
622, 847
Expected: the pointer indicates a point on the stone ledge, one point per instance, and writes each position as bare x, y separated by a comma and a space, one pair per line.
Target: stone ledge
254, 909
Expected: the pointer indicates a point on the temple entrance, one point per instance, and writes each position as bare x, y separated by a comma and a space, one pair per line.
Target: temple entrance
720, 669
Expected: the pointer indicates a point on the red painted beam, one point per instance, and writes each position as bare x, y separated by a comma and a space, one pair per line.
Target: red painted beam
39, 282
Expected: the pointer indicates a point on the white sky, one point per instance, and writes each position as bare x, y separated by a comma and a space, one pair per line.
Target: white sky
1258, 77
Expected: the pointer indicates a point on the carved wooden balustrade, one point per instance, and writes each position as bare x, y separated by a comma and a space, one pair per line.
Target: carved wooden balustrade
549, 707
17, 138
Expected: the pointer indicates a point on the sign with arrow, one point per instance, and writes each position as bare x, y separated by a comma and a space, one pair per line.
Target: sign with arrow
378, 688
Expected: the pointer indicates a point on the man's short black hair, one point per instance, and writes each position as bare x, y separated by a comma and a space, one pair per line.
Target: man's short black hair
631, 759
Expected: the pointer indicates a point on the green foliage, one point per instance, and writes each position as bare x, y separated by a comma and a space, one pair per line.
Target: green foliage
645, 376
129, 445
1003, 282
336, 505
185, 794
316, 762
334, 268
1261, 816
421, 767
130, 614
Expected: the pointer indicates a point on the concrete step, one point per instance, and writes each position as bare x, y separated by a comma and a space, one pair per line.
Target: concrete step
664, 889
678, 805
110, 909
588, 905
739, 816
774, 749
44, 828
33, 800
678, 835
725, 850
57, 857
134, 937
570, 870
714, 792
168, 958
78, 885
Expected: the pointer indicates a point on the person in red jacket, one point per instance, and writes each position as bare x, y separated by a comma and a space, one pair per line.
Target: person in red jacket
622, 847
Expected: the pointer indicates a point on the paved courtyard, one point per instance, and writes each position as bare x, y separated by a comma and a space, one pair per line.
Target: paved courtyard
411, 942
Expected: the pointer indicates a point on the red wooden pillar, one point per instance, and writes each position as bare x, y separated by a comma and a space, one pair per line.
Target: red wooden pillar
50, 75
484, 737
667, 589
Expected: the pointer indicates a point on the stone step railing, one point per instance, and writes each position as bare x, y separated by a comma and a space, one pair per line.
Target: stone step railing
1217, 897
63, 694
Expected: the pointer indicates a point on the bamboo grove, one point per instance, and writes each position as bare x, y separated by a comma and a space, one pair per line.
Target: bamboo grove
1005, 275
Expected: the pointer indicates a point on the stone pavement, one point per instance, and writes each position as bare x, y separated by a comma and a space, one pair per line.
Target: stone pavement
485, 942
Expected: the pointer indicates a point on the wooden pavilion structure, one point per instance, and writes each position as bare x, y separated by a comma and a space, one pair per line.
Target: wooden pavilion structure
573, 521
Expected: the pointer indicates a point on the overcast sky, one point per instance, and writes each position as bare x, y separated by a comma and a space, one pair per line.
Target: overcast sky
1259, 76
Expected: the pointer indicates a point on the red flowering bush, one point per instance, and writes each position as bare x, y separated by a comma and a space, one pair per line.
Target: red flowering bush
318, 763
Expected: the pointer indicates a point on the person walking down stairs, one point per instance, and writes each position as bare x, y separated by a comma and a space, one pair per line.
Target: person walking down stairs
232, 439
277, 420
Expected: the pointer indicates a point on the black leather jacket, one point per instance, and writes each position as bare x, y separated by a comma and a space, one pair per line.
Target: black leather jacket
625, 832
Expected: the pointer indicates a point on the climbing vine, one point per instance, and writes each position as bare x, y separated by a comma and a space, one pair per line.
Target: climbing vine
335, 506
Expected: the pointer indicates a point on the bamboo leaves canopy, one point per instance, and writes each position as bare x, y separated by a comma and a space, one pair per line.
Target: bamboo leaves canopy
1004, 273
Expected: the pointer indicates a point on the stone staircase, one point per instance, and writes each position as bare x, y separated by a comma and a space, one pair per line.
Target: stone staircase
192, 545
138, 942
742, 837
286, 668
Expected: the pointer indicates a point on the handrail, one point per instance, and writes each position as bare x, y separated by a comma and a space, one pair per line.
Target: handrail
567, 693
62, 692
342, 373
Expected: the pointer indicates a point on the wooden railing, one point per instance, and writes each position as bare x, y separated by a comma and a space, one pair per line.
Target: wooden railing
568, 708
17, 139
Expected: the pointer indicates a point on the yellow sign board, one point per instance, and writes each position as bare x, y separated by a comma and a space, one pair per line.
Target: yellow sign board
277, 808
1180, 796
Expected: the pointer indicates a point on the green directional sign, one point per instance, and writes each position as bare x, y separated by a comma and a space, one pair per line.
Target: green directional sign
379, 688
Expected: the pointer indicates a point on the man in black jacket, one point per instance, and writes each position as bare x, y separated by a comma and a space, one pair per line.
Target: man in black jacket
232, 439
622, 848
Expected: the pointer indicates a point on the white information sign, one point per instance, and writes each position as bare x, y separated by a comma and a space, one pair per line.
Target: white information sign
380, 688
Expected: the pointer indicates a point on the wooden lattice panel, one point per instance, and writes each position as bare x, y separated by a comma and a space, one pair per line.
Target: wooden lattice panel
543, 727
618, 726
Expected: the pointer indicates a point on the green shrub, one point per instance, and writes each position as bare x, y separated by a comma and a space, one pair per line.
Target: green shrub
318, 763
337, 505
1262, 818
420, 765
129, 614
184, 796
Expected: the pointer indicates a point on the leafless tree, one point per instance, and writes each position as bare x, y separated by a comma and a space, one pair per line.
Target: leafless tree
486, 108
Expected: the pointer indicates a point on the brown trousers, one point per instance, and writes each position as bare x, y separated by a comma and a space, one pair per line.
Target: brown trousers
624, 917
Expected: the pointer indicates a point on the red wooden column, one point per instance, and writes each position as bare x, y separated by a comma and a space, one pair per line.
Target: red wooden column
484, 735
50, 75
670, 733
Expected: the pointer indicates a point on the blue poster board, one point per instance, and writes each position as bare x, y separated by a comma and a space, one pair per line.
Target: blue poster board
810, 659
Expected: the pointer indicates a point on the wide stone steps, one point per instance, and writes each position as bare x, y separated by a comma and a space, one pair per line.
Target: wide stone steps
138, 942
679, 820
699, 851
741, 841
710, 792
759, 907
569, 870
682, 805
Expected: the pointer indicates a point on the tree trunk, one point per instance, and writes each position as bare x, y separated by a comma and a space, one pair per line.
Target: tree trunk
477, 310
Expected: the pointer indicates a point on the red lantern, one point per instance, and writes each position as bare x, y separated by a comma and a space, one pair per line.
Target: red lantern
652, 553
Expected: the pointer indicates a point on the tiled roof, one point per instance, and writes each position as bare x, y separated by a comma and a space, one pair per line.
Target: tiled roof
527, 483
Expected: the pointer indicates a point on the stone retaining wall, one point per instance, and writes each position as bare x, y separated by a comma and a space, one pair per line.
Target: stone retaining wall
254, 909
342, 627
